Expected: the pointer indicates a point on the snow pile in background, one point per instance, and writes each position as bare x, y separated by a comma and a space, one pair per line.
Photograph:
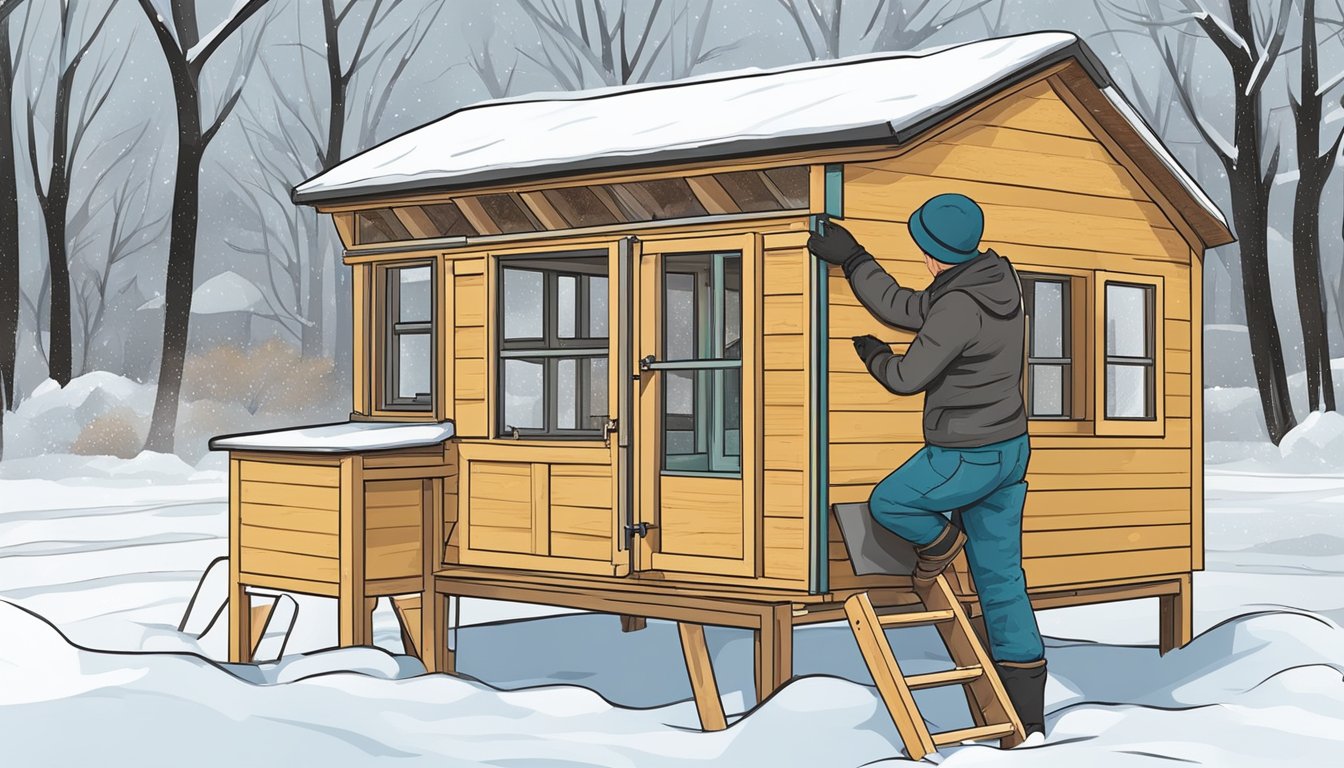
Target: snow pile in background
1316, 444
52, 418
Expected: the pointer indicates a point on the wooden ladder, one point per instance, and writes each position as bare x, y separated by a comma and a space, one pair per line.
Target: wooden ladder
993, 714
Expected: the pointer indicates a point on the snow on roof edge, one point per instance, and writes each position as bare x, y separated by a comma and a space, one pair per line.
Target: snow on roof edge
1063, 45
341, 437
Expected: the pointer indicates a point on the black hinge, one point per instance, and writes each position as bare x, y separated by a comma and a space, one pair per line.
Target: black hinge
639, 529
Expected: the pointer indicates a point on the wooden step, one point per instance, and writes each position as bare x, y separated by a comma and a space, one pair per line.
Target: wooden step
957, 676
915, 618
992, 731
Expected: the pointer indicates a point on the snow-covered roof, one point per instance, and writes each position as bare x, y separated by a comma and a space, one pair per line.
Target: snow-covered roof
857, 100
346, 437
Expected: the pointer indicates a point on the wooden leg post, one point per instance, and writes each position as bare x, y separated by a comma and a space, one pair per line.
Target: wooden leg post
1175, 616
633, 623
354, 614
259, 618
240, 613
701, 671
774, 649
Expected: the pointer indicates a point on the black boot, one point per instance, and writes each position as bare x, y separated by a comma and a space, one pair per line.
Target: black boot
1025, 684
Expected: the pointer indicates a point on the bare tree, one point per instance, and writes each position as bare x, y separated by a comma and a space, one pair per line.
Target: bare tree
895, 25
9, 218
487, 68
111, 227
1314, 168
1250, 43
614, 41
186, 52
68, 133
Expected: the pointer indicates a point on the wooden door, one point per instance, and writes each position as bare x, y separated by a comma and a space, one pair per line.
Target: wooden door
698, 435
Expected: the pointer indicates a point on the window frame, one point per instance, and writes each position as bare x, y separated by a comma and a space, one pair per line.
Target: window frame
388, 320
1080, 332
1153, 425
550, 348
1068, 358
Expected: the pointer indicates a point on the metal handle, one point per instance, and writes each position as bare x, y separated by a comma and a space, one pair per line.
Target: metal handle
646, 362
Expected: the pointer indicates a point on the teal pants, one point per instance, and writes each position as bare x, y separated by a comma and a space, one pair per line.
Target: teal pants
983, 490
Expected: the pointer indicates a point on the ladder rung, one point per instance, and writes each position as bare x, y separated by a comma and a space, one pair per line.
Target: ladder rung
959, 675
994, 731
914, 618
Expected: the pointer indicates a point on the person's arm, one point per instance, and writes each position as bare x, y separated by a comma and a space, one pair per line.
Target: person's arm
949, 327
886, 299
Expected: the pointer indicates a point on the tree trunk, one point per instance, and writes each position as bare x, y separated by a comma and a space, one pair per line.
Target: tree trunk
312, 332
9, 228
181, 274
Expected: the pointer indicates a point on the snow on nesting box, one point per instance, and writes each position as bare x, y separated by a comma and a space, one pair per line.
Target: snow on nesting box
884, 97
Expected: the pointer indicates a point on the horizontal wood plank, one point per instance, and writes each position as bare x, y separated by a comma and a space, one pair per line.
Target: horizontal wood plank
278, 494
1079, 569
1095, 540
296, 542
289, 474
288, 564
289, 518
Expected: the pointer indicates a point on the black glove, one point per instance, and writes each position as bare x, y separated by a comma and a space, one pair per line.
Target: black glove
868, 348
836, 247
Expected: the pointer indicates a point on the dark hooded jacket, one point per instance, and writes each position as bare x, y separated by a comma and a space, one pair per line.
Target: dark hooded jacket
967, 355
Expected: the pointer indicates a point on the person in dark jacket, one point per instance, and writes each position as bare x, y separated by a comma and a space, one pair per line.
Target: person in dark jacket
965, 487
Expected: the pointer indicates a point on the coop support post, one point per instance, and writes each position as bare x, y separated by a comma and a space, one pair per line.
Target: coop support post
240, 613
1175, 616
774, 649
355, 617
701, 671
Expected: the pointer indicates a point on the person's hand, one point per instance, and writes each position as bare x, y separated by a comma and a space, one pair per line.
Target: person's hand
836, 247
869, 347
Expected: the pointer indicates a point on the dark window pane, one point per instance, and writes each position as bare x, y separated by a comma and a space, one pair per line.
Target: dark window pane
1128, 391
566, 305
524, 394
581, 207
597, 307
379, 225
448, 220
566, 394
732, 307
1047, 390
1047, 320
701, 421
664, 199
522, 304
792, 183
415, 294
680, 327
749, 190
414, 358
597, 409
507, 213
1128, 320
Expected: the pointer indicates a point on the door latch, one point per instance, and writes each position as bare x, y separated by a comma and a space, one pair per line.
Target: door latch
638, 529
646, 362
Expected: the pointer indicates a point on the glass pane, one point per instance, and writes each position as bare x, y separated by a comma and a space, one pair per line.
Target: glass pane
566, 305
679, 326
732, 307
1127, 391
413, 365
1047, 320
792, 182
748, 189
524, 389
1127, 320
702, 421
415, 294
507, 213
597, 307
1047, 390
566, 394
596, 407
522, 304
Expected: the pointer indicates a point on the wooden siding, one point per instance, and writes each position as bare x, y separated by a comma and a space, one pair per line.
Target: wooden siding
1099, 508
537, 507
393, 512
470, 379
288, 519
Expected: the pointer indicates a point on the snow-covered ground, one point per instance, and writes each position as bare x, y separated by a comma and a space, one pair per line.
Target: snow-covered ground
96, 571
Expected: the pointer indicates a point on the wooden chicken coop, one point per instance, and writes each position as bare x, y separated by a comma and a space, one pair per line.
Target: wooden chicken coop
643, 384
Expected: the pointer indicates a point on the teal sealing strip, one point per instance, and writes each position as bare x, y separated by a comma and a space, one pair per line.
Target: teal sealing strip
835, 190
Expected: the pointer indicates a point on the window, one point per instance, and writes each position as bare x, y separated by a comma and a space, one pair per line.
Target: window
1130, 360
702, 363
553, 347
1050, 354
408, 319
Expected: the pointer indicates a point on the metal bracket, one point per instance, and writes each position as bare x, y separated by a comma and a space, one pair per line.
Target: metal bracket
639, 529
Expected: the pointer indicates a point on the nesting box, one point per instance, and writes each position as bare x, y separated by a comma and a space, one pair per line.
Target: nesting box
652, 394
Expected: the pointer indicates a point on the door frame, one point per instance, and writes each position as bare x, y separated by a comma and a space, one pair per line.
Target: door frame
646, 435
